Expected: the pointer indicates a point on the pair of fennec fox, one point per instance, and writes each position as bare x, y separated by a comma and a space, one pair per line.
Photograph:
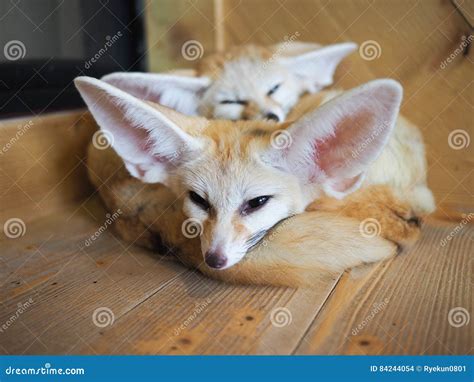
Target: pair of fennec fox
278, 188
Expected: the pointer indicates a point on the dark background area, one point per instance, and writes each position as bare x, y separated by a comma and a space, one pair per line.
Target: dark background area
45, 44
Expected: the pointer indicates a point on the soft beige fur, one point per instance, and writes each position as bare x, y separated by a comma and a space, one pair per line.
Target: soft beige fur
237, 83
300, 251
401, 166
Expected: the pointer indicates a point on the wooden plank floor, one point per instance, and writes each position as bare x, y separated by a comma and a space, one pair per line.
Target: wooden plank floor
60, 296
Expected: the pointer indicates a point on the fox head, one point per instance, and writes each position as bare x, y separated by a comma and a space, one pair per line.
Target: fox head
245, 83
238, 179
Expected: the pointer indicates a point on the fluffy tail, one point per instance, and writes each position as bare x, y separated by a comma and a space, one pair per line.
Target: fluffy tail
301, 251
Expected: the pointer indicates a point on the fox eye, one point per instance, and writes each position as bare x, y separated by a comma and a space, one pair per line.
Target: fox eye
273, 89
199, 200
236, 102
255, 203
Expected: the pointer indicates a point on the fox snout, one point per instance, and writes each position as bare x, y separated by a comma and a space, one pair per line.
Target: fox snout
275, 114
223, 254
215, 259
223, 243
264, 110
272, 117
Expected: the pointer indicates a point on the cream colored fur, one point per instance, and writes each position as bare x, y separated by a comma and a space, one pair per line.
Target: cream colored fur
237, 84
402, 164
301, 251
393, 191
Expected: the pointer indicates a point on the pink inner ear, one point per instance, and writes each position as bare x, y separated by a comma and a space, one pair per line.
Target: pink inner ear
142, 140
334, 154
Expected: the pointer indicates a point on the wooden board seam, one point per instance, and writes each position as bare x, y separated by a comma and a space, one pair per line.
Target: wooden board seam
316, 315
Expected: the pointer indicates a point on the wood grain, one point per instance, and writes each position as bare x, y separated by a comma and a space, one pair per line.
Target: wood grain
158, 306
68, 280
402, 307
236, 318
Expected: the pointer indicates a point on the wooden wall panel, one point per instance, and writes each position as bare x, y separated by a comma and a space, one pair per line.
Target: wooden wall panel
41, 169
170, 24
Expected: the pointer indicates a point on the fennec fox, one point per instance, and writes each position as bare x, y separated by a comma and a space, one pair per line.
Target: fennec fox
248, 82
237, 181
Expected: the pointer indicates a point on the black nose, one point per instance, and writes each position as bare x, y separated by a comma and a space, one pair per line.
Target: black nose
215, 260
272, 117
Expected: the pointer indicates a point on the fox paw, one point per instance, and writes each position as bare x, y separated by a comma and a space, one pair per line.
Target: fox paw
379, 212
398, 225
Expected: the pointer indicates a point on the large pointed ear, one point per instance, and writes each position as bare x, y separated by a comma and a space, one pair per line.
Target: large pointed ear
146, 137
181, 93
316, 68
334, 145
